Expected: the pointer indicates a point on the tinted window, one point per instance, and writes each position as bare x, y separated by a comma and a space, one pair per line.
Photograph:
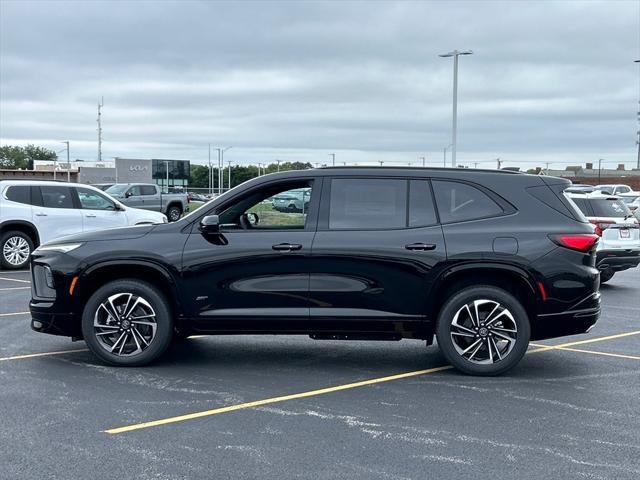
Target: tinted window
458, 202
148, 190
56, 197
421, 209
91, 200
583, 205
19, 194
609, 208
368, 203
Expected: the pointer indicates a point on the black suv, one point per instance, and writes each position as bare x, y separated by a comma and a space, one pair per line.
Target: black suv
483, 260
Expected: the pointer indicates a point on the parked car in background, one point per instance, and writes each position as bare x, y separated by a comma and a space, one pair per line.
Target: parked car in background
293, 200
632, 199
619, 231
617, 189
149, 196
483, 260
102, 186
580, 188
198, 197
35, 212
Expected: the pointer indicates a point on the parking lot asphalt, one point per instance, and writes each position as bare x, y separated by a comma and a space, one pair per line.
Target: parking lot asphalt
290, 407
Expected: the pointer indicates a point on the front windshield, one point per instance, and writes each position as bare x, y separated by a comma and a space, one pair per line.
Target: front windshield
117, 189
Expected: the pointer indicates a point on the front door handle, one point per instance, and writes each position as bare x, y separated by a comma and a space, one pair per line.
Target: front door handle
286, 247
91, 215
420, 246
41, 214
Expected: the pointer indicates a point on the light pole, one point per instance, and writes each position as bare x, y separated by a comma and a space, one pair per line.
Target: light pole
278, 162
166, 163
455, 54
68, 164
424, 161
333, 157
600, 170
638, 118
229, 162
210, 177
221, 168
444, 160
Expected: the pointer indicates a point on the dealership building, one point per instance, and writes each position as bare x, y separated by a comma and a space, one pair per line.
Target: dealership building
168, 174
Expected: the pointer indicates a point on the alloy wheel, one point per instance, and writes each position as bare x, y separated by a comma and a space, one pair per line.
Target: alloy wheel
125, 324
16, 250
483, 331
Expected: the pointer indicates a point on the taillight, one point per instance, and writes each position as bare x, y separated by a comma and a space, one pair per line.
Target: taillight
601, 225
580, 242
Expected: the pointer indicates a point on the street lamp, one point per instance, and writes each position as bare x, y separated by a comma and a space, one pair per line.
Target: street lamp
638, 133
166, 162
455, 54
444, 160
333, 157
68, 164
220, 168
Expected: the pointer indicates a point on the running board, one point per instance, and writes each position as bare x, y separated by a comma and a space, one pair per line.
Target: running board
356, 336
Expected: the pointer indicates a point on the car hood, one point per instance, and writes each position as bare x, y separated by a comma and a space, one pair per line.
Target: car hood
125, 233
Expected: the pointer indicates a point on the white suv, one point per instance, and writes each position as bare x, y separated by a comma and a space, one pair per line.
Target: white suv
35, 212
619, 246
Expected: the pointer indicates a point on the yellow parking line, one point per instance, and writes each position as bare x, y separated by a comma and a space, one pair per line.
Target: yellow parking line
14, 313
312, 393
266, 401
14, 280
43, 354
544, 348
14, 288
596, 352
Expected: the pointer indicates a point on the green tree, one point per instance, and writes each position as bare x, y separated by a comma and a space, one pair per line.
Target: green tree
12, 157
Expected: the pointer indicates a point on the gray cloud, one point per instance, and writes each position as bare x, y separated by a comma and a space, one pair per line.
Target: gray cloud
549, 80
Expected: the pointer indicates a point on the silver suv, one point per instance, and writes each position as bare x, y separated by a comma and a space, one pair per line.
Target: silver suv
619, 246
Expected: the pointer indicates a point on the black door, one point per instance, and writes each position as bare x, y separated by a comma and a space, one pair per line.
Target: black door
254, 275
378, 240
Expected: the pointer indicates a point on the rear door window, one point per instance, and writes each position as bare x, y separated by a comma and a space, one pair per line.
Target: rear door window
19, 194
56, 196
368, 203
422, 211
459, 202
147, 190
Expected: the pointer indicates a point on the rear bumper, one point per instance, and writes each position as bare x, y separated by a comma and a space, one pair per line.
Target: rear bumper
617, 260
571, 322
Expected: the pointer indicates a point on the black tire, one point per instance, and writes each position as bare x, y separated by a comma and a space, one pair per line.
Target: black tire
173, 213
606, 275
513, 351
8, 257
158, 343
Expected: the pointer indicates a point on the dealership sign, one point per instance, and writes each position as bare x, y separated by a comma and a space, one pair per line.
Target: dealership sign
138, 168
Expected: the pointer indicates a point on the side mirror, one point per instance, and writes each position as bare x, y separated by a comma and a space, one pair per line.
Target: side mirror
118, 208
128, 194
210, 224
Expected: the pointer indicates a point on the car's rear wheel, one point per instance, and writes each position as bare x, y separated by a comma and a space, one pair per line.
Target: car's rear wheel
15, 249
127, 323
173, 213
606, 275
483, 330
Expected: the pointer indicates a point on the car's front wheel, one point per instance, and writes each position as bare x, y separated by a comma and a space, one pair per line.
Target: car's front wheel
483, 330
127, 323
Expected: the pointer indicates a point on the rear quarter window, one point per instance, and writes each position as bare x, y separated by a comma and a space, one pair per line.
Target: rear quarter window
19, 194
603, 207
459, 202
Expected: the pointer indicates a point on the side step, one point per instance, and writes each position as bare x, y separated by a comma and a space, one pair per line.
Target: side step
356, 336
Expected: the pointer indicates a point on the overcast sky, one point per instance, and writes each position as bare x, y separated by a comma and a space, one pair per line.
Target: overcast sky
548, 81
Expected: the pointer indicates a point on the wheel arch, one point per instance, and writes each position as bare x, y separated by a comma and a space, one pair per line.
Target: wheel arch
510, 278
22, 226
149, 272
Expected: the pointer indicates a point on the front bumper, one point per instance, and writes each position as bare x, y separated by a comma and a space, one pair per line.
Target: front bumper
67, 325
580, 319
617, 260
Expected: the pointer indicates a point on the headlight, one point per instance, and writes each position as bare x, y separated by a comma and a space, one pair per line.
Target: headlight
62, 247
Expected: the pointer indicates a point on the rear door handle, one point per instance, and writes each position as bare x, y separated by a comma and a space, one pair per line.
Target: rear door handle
41, 214
286, 247
420, 246
90, 215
